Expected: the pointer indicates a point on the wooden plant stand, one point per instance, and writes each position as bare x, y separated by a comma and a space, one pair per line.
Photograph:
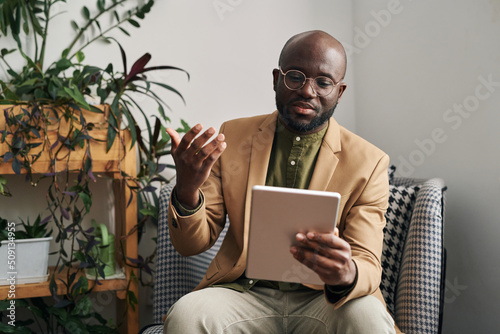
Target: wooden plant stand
120, 158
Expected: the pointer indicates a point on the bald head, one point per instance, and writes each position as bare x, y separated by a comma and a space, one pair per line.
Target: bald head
315, 45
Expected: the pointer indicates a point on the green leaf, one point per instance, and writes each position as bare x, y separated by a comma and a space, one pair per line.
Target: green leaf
84, 284
5, 52
80, 56
79, 256
132, 299
148, 212
77, 96
75, 25
185, 127
63, 64
83, 307
26, 28
170, 88
100, 5
87, 201
86, 13
3, 185
134, 23
113, 123
131, 122
65, 53
124, 31
98, 25
16, 166
29, 82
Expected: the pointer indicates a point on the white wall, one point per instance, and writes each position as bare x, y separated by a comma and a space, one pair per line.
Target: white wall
413, 71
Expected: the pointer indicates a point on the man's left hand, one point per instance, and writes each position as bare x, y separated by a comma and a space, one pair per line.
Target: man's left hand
327, 255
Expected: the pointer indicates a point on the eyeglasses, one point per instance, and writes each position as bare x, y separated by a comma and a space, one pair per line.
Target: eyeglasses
321, 85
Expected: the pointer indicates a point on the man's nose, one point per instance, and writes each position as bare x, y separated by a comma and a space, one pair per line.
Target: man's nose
308, 89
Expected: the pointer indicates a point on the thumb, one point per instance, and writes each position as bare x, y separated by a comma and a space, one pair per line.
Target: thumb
336, 231
176, 139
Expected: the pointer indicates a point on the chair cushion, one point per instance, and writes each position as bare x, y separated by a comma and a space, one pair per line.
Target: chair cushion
398, 216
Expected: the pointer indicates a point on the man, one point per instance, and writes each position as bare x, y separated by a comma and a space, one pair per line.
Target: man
299, 146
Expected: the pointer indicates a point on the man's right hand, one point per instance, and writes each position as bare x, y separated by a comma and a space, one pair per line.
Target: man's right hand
194, 159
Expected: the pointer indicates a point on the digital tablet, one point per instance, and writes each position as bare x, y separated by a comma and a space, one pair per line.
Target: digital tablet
277, 215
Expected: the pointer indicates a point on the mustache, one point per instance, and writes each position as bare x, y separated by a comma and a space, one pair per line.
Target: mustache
303, 104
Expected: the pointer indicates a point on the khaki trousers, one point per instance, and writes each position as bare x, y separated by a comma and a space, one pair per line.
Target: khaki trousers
219, 310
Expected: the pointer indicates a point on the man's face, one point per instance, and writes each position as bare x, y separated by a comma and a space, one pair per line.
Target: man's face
303, 110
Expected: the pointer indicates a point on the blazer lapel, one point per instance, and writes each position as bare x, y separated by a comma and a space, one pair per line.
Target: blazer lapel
327, 161
260, 152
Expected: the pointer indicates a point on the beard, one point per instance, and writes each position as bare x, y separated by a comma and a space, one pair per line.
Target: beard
303, 127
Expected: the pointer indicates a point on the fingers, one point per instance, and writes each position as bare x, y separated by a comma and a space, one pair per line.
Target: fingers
312, 259
321, 248
194, 144
176, 138
212, 151
329, 239
186, 140
201, 145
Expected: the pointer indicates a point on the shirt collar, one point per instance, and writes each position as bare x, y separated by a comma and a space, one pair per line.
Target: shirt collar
286, 134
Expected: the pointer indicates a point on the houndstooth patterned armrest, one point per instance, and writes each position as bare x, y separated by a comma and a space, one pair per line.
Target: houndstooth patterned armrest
176, 275
419, 299
152, 329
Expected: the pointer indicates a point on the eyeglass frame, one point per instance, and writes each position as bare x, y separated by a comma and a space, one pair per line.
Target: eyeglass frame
305, 80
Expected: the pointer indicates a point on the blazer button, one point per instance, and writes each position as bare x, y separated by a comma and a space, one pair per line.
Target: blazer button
174, 223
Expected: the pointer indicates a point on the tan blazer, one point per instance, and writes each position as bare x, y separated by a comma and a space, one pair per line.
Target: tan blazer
346, 164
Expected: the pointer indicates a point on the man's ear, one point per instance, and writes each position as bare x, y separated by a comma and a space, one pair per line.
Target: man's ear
276, 75
342, 88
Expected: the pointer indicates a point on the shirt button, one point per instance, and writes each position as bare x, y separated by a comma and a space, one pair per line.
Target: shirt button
292, 163
250, 281
297, 138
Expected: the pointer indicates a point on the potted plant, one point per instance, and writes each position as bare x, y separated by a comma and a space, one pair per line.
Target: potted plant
47, 114
24, 254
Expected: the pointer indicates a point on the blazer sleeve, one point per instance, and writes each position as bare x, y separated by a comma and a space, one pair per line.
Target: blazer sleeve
363, 230
196, 233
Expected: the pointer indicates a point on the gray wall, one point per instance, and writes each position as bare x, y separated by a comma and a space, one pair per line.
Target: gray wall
428, 93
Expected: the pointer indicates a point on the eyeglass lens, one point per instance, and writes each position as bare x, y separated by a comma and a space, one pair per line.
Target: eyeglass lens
295, 80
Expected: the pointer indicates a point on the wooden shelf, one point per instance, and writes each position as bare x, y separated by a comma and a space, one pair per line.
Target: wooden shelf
42, 289
119, 159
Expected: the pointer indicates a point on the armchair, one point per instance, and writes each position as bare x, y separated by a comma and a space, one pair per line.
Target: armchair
413, 258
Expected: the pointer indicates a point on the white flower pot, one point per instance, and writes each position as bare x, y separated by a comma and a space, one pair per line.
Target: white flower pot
27, 261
